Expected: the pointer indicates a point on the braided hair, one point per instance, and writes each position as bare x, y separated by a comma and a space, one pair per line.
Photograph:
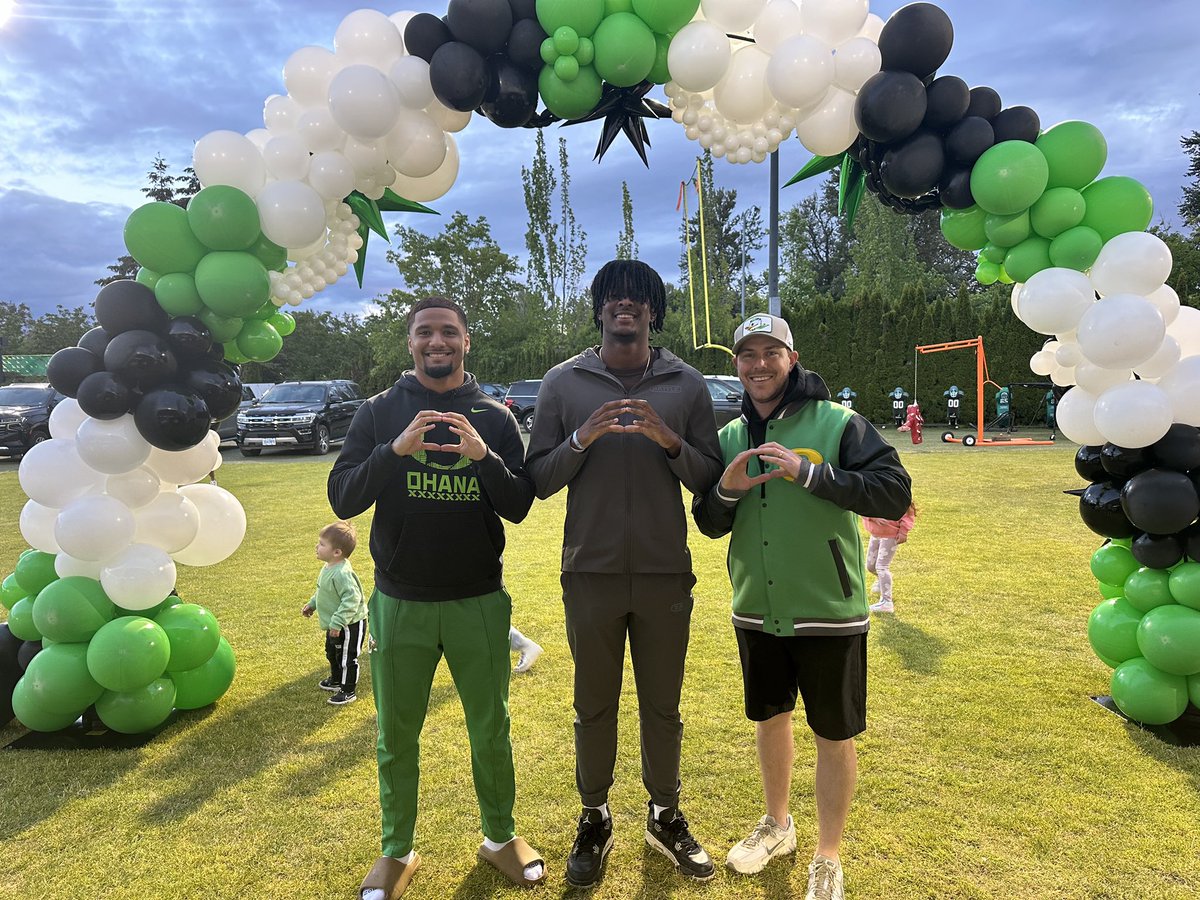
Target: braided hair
630, 278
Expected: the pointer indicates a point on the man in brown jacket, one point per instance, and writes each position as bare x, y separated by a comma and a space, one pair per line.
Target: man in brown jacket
621, 426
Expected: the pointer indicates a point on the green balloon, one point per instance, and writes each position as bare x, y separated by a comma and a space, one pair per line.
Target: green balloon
1112, 631
1007, 231
1147, 694
205, 684
34, 571
128, 653
1184, 584
1028, 258
72, 609
1116, 205
158, 236
223, 328
144, 708
1112, 564
232, 284
20, 620
224, 218
264, 312
548, 51
33, 715
1056, 210
987, 272
581, 15
625, 50
1075, 153
270, 254
616, 6
1005, 278
566, 40
259, 341
10, 591
566, 68
1193, 685
1169, 638
147, 277
659, 73
570, 99
1147, 588
993, 254
234, 354
177, 294
282, 322
1009, 177
666, 15
58, 678
154, 611
964, 228
1076, 248
193, 633
1108, 591
586, 54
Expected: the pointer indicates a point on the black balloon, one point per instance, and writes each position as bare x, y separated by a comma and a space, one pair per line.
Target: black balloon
10, 671
947, 99
1017, 123
459, 75
1179, 448
1100, 509
985, 103
916, 38
104, 396
1125, 462
523, 9
423, 34
890, 106
1158, 551
29, 649
1088, 463
189, 338
1160, 501
172, 418
913, 166
954, 187
95, 340
126, 306
1191, 542
140, 358
69, 366
217, 385
967, 140
484, 24
516, 94
525, 44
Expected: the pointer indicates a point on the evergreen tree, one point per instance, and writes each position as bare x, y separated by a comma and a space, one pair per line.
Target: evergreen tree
163, 187
627, 247
1189, 206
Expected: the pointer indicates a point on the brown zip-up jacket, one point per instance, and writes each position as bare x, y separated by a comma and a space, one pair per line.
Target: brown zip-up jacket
625, 510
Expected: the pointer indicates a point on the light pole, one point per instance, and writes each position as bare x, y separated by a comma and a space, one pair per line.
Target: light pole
774, 307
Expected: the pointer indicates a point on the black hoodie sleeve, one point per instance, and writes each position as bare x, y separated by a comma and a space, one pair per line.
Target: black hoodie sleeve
713, 512
870, 480
502, 474
363, 468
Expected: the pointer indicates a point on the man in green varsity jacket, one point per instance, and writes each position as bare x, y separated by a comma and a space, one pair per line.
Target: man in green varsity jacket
800, 470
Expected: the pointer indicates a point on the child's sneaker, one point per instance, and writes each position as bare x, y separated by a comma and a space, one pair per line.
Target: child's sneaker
341, 698
529, 655
328, 684
883, 606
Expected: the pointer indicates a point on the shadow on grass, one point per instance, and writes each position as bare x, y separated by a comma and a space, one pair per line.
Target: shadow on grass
1183, 759
919, 651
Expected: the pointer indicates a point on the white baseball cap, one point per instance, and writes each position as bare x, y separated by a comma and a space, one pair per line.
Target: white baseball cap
762, 323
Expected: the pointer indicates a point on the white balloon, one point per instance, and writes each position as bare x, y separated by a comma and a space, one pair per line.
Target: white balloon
1167, 302
1136, 262
779, 20
316, 127
1186, 330
65, 419
37, 527
1096, 379
258, 137
331, 175
699, 56
1042, 362
410, 75
1014, 299
222, 525
1134, 414
449, 120
1067, 354
111, 446
1074, 414
169, 521
307, 74
280, 113
292, 213
368, 36
1182, 386
732, 15
94, 528
855, 61
871, 28
286, 157
1063, 376
53, 474
1053, 300
432, 186
401, 20
834, 21
363, 101
66, 566
1163, 360
742, 95
416, 147
135, 489
1120, 331
139, 577
831, 129
226, 157
800, 70
186, 466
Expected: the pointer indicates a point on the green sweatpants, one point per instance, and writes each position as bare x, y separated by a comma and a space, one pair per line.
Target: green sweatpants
410, 638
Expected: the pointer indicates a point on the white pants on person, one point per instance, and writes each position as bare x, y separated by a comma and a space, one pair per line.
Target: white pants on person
879, 560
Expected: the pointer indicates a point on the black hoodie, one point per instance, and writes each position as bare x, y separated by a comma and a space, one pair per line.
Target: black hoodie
437, 533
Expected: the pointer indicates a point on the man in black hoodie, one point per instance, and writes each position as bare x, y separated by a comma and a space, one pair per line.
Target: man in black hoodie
442, 462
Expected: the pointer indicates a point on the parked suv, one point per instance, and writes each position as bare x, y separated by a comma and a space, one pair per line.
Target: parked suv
494, 389
521, 399
310, 415
726, 393
227, 427
25, 416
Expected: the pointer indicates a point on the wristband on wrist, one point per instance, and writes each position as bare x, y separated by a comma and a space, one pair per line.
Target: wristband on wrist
574, 442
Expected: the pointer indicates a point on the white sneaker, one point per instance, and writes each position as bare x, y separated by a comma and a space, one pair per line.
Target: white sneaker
768, 840
825, 879
883, 606
529, 655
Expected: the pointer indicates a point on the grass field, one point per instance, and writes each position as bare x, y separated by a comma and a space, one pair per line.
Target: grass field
985, 772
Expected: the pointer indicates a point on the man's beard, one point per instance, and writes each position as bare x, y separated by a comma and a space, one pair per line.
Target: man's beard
622, 337
439, 370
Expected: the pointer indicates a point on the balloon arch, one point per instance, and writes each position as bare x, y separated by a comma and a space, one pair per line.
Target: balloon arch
285, 210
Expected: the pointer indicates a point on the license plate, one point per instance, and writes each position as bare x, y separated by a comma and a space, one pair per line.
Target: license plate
268, 442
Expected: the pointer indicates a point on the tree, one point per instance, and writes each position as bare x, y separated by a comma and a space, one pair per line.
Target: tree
15, 320
815, 247
53, 331
627, 247
324, 345
1189, 206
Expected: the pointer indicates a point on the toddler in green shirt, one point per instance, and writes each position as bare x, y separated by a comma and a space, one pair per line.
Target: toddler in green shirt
341, 609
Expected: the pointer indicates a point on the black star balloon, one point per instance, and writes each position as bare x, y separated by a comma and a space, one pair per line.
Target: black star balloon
623, 111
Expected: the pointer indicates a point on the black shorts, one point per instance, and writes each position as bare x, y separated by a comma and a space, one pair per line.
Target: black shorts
830, 674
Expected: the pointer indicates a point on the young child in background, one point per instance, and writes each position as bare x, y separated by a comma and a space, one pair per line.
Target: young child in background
341, 610
886, 535
530, 650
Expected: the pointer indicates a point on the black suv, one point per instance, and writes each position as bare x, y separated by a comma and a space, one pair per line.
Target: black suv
25, 416
310, 415
521, 399
227, 428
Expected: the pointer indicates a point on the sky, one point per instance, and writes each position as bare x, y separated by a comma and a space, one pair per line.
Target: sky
91, 91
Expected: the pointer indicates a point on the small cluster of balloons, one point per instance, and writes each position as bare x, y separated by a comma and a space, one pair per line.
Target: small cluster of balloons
67, 648
1147, 630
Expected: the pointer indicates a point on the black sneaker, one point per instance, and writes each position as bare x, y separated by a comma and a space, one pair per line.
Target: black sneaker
593, 840
328, 684
341, 698
669, 835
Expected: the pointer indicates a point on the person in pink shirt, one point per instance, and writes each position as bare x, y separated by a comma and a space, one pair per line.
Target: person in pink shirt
886, 536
